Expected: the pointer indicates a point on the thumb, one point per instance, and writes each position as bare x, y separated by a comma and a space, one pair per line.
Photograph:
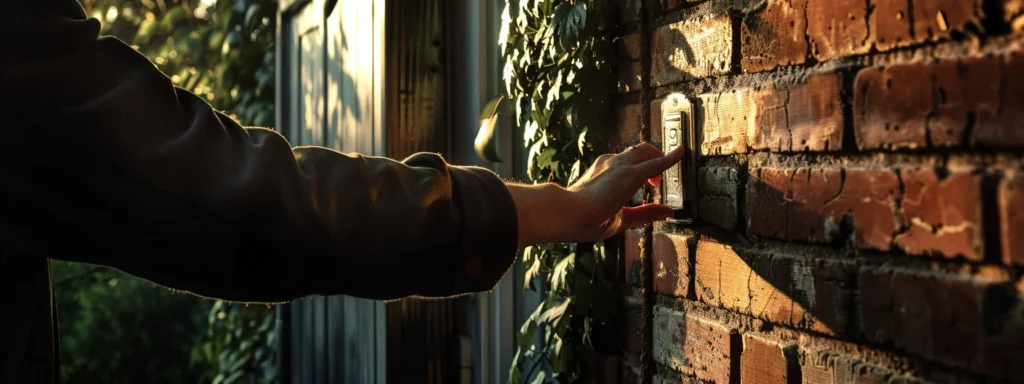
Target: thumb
633, 217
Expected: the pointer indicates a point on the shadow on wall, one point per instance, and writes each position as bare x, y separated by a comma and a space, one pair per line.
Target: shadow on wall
966, 319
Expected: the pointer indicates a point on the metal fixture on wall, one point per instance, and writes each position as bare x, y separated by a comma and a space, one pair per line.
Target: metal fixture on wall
679, 183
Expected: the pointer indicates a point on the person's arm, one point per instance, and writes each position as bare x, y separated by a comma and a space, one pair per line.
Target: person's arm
107, 162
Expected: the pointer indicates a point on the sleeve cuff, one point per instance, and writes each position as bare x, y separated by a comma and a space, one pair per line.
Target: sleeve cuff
490, 233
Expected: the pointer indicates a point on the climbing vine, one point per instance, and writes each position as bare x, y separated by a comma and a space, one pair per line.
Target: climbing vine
558, 81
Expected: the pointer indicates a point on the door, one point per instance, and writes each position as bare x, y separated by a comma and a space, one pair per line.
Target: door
329, 92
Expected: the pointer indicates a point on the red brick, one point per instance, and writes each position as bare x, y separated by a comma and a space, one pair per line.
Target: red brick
766, 361
671, 264
814, 115
1002, 354
943, 216
936, 315
891, 28
1001, 127
791, 290
718, 188
632, 257
800, 117
834, 367
917, 105
837, 28
774, 36
627, 126
692, 345
693, 48
821, 204
936, 19
727, 117
1011, 218
969, 102
656, 120
805, 116
890, 24
768, 190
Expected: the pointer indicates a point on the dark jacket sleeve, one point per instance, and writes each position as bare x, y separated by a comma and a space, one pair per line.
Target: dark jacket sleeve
118, 167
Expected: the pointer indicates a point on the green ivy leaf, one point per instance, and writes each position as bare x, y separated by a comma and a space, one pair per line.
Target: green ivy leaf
546, 158
554, 314
568, 20
574, 174
560, 274
539, 378
581, 141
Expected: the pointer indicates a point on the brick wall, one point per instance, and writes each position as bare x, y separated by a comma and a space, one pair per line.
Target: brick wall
862, 184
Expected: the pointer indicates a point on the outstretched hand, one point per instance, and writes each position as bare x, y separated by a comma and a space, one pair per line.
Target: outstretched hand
593, 208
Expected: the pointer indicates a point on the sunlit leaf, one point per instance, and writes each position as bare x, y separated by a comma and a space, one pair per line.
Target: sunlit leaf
539, 378
553, 315
561, 271
575, 173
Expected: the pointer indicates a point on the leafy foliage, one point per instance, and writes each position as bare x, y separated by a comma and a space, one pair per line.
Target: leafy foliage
118, 329
558, 81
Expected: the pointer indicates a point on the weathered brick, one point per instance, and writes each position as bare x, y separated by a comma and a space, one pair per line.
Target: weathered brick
1000, 127
1003, 355
727, 118
692, 48
932, 20
632, 257
656, 121
1011, 218
671, 264
793, 290
627, 126
937, 315
837, 28
805, 116
767, 206
890, 24
833, 367
824, 205
967, 101
718, 188
766, 361
943, 216
937, 19
774, 36
918, 105
692, 345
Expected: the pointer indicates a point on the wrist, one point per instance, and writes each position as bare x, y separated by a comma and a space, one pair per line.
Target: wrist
544, 212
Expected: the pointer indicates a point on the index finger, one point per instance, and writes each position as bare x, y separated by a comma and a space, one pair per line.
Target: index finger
656, 166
